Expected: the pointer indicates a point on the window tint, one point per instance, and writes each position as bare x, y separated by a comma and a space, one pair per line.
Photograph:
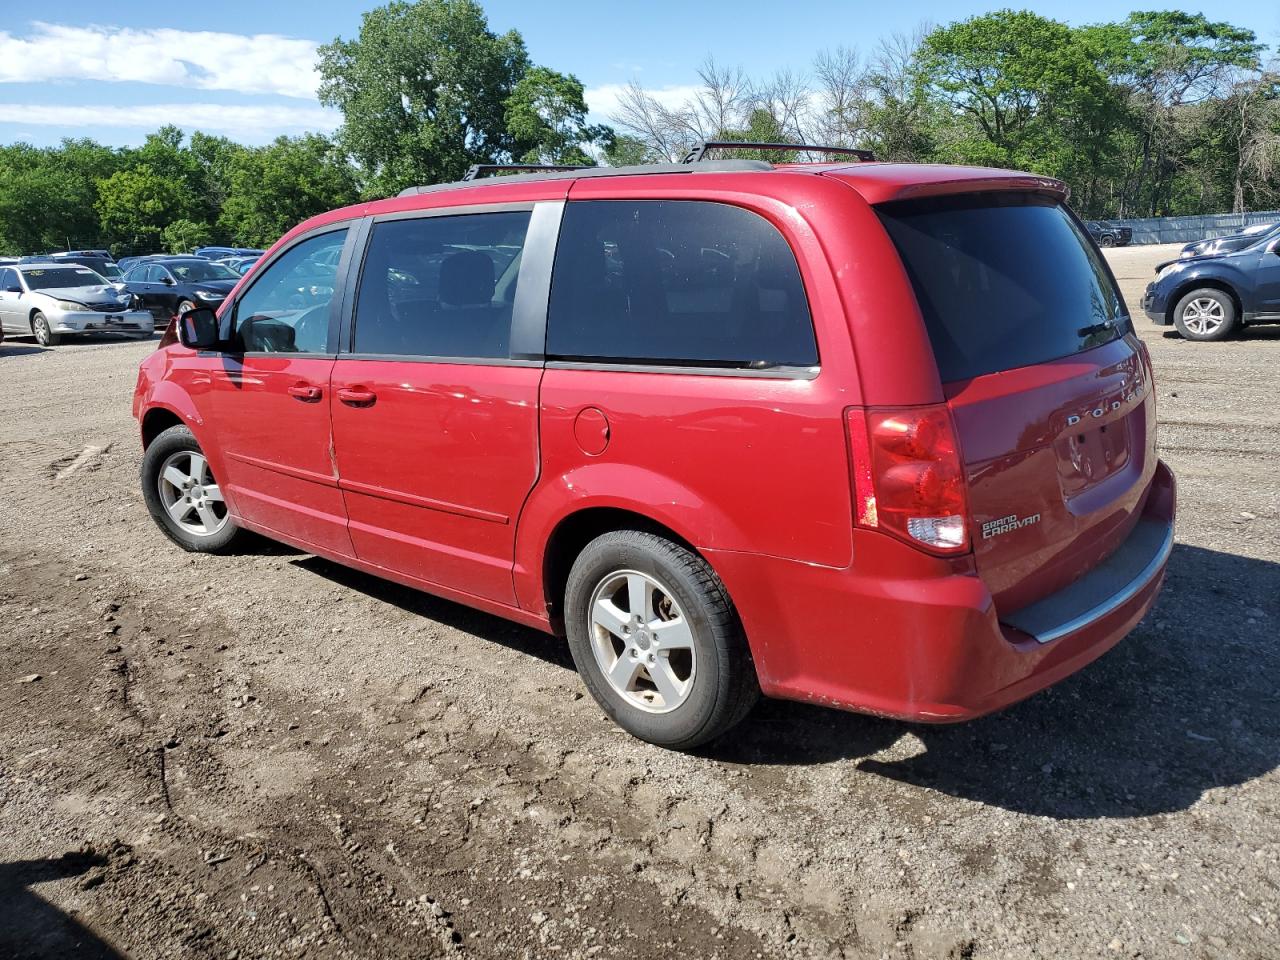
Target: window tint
156, 273
287, 308
684, 282
1003, 281
441, 286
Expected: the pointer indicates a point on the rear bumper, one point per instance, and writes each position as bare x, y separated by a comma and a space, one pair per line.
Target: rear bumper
919, 639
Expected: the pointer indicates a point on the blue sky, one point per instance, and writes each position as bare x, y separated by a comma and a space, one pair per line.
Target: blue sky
114, 71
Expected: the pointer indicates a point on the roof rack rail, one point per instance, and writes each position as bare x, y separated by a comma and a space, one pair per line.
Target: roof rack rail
478, 170
700, 149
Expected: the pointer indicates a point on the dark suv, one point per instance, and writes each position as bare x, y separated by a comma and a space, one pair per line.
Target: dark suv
875, 436
1108, 234
1210, 296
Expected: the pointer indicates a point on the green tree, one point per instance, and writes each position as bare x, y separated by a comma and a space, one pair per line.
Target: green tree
135, 205
184, 236
276, 187
546, 117
1164, 64
423, 91
1022, 90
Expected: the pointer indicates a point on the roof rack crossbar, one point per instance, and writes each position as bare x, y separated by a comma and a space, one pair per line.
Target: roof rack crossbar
700, 149
478, 170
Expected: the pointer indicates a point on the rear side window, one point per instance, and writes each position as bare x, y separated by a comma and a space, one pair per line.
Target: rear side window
676, 282
1003, 281
441, 286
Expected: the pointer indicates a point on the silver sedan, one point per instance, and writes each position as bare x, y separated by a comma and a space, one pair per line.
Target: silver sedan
52, 300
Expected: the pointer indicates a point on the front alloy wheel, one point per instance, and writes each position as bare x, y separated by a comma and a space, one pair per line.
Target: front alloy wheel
190, 495
183, 495
1205, 314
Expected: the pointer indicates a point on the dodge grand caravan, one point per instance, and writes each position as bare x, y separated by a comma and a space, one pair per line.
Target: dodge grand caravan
872, 435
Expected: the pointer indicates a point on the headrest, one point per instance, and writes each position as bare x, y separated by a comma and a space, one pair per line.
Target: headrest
466, 279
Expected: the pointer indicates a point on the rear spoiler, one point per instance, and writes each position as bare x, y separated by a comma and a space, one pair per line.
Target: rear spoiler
884, 184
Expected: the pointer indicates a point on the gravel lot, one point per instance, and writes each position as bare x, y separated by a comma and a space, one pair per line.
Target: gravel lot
269, 755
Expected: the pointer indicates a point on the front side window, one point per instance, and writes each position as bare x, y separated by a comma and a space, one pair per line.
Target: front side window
676, 282
8, 279
441, 286
287, 308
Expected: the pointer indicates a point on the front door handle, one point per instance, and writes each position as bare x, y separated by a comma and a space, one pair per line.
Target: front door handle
305, 392
357, 396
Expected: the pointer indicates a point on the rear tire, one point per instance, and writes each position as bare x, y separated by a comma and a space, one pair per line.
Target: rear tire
43, 333
180, 511
1206, 314
675, 669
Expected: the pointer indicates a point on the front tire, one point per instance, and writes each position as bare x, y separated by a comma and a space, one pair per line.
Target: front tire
1106, 240
43, 333
184, 306
1206, 315
183, 496
657, 641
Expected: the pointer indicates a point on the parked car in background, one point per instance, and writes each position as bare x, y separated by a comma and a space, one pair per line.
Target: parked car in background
54, 300
240, 265
1244, 237
124, 263
1108, 234
1211, 295
177, 284
218, 253
645, 409
99, 262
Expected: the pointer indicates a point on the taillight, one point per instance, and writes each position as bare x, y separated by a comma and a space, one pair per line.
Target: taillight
908, 479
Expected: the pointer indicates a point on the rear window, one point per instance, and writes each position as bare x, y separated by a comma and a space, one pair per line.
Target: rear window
1003, 281
676, 282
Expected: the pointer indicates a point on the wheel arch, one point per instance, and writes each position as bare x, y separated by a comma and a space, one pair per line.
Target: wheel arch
1197, 283
577, 529
156, 421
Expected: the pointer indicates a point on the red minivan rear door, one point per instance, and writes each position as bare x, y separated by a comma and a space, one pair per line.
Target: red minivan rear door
1049, 387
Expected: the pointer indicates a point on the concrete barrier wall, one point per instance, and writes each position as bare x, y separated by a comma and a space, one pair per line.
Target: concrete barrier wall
1187, 229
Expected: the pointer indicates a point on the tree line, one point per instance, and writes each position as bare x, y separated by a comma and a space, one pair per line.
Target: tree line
1163, 113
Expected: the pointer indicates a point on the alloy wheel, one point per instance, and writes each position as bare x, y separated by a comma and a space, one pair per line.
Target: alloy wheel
642, 641
1203, 316
190, 494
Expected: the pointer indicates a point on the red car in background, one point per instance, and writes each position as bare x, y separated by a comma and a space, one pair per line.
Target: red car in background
878, 436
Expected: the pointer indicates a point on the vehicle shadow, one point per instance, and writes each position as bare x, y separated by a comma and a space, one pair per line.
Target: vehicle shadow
11, 348
30, 926
1185, 704
1253, 332
486, 626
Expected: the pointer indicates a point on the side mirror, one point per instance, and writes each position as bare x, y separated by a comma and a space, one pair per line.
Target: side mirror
13, 288
167, 281
198, 329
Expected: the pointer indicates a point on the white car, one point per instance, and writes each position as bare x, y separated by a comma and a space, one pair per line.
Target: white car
52, 300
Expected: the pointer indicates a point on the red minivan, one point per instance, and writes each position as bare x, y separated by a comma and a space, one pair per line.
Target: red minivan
872, 435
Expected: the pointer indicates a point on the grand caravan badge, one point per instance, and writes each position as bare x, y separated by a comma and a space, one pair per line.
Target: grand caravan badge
993, 528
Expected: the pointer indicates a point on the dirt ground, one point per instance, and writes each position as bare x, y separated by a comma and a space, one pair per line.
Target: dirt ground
269, 755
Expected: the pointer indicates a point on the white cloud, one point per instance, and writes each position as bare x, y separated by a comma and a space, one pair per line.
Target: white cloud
255, 123
258, 63
602, 101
